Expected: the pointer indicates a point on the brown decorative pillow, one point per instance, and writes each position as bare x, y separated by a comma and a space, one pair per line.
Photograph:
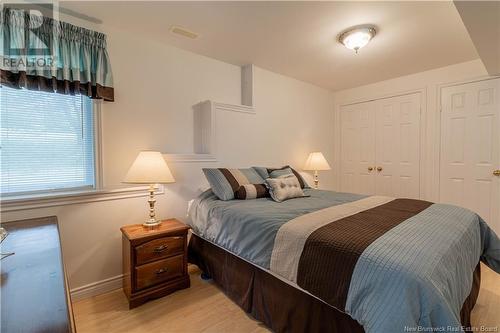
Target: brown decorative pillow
251, 191
274, 173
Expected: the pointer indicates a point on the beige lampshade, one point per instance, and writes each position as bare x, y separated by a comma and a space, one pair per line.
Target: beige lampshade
149, 168
316, 162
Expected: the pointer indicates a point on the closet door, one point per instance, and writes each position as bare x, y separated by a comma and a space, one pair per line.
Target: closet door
470, 148
398, 146
358, 148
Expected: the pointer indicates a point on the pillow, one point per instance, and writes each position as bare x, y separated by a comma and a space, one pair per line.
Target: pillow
281, 172
226, 182
284, 188
262, 171
265, 173
251, 191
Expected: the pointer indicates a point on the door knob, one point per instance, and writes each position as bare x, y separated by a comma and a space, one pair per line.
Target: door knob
370, 169
496, 173
379, 169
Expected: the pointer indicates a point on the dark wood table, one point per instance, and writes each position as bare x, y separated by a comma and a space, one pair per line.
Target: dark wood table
34, 291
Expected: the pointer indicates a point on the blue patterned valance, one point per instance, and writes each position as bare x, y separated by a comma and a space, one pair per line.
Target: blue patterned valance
40, 53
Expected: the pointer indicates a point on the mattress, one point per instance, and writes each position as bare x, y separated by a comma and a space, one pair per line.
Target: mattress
391, 264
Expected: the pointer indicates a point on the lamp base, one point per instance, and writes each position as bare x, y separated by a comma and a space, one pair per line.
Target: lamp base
151, 223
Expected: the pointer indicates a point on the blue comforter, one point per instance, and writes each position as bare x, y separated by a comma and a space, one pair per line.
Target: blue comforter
418, 274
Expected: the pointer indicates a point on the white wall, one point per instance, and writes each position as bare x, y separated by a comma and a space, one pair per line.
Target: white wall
156, 86
428, 83
292, 119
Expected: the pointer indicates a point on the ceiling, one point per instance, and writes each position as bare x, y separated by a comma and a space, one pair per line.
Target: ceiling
298, 39
482, 20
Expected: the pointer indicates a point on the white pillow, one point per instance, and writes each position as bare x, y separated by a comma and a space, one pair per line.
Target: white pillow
284, 188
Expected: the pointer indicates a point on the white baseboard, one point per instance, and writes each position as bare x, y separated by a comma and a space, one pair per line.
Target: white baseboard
96, 288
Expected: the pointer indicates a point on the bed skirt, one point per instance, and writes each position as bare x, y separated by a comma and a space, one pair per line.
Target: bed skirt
280, 306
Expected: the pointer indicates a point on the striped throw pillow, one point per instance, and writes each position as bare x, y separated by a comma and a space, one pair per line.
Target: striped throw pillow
226, 182
252, 191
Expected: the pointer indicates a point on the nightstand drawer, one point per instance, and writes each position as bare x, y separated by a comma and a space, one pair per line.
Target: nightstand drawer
159, 271
158, 248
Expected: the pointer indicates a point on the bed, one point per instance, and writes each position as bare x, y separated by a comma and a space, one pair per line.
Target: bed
343, 262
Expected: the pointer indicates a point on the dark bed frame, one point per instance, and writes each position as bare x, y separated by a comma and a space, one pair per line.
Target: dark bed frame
278, 305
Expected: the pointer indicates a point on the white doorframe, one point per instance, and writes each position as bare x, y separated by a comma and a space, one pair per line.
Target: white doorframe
437, 143
423, 127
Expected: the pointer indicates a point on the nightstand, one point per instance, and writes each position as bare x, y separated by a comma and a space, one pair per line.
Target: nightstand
154, 260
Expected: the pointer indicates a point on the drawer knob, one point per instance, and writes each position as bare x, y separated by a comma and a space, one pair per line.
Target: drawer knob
160, 249
161, 271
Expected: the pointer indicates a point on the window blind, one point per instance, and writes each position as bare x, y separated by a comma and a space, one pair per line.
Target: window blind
47, 142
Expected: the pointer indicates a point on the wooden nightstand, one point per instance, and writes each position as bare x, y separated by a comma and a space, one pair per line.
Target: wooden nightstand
154, 260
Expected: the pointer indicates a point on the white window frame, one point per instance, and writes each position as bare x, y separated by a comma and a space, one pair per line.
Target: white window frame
42, 199
97, 170
98, 173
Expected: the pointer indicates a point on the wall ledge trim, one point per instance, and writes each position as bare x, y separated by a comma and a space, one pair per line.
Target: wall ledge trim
96, 288
70, 198
205, 131
234, 107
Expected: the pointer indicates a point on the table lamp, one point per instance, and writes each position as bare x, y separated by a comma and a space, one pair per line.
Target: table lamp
316, 162
149, 168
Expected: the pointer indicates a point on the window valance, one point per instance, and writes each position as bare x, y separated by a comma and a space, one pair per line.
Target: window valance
40, 53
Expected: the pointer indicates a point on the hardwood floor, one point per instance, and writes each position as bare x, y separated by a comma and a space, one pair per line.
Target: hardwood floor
204, 308
200, 308
487, 310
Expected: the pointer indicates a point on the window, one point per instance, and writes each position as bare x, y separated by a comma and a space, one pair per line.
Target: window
47, 142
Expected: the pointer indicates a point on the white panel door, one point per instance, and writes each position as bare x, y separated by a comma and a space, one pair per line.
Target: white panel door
470, 148
398, 146
358, 148
380, 150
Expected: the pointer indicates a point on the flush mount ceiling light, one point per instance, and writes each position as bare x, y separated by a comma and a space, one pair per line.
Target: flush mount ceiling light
356, 38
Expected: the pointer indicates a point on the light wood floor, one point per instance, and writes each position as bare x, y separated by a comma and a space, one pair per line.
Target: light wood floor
204, 308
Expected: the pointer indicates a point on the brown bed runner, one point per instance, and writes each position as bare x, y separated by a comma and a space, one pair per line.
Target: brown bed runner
332, 251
